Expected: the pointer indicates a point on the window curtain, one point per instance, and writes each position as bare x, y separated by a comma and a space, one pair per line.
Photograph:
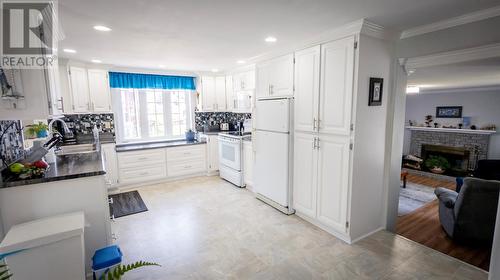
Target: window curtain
151, 81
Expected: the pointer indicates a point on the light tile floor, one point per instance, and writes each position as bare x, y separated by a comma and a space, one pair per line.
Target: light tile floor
205, 228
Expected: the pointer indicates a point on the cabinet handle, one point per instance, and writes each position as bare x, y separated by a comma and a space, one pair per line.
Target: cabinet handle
61, 100
110, 200
187, 166
142, 158
143, 173
314, 124
317, 143
314, 143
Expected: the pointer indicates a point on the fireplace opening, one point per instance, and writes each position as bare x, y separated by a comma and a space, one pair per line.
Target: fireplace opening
457, 157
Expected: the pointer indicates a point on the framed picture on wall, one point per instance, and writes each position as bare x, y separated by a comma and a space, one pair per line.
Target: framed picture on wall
376, 90
449, 112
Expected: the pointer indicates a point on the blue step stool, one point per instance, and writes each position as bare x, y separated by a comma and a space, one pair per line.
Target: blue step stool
104, 259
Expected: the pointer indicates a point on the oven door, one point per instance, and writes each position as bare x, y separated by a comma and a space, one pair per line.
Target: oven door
230, 152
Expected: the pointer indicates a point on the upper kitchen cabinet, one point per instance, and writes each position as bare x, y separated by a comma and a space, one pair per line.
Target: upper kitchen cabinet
275, 77
100, 97
34, 94
213, 92
230, 97
243, 89
244, 81
89, 90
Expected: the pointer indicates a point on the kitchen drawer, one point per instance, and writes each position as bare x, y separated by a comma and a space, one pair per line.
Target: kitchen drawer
141, 158
145, 173
186, 153
185, 167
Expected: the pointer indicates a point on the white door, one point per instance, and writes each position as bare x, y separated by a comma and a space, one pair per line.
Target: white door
273, 115
56, 100
281, 76
262, 87
336, 87
307, 89
220, 93
333, 181
100, 98
305, 174
213, 153
230, 97
208, 93
271, 166
79, 89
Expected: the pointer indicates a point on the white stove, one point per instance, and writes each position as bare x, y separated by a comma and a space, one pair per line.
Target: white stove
230, 156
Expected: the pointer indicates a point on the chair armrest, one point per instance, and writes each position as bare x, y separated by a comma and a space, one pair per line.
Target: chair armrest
446, 196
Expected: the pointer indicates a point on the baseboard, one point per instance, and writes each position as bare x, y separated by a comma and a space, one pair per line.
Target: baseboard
122, 187
331, 231
366, 235
284, 210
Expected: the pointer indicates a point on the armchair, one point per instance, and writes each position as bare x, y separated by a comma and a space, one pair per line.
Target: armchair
470, 215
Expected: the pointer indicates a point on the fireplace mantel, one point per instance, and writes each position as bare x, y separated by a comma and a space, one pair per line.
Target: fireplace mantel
452, 130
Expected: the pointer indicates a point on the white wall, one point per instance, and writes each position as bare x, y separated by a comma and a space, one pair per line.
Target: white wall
368, 192
482, 106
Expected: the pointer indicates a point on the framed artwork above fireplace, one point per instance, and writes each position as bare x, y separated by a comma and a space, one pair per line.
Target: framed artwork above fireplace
449, 112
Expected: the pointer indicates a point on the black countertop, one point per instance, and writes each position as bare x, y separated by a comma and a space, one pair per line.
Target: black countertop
66, 167
155, 145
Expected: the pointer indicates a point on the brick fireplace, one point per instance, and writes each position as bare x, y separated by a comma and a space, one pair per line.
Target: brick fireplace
462, 149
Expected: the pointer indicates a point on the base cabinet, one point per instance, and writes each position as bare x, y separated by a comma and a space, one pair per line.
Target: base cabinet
212, 152
248, 163
110, 163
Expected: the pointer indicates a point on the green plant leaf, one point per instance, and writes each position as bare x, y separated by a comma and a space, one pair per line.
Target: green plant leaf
121, 269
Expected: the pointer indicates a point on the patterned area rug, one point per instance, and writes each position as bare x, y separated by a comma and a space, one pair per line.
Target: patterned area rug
413, 197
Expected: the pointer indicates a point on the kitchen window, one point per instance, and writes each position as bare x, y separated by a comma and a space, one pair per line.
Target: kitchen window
152, 114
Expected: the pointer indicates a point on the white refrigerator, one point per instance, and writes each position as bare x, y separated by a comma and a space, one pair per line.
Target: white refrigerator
273, 152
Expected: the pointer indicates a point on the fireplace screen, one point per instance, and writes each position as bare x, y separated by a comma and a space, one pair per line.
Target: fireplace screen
457, 157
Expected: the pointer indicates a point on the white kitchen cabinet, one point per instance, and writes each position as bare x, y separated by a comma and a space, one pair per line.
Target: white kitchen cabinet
100, 97
244, 81
186, 160
110, 163
304, 175
275, 77
142, 166
90, 92
248, 163
212, 152
307, 69
336, 89
80, 97
230, 96
213, 93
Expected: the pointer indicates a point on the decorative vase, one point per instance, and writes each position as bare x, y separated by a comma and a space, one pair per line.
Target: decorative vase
190, 135
41, 134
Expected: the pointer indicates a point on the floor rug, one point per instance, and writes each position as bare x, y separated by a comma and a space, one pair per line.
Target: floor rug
126, 203
413, 197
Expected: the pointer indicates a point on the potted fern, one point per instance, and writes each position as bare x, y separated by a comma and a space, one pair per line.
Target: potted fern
437, 164
117, 272
4, 272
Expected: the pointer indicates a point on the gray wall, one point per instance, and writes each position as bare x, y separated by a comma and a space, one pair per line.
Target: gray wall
483, 107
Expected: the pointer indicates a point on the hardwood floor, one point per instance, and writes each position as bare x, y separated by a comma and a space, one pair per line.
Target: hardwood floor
423, 226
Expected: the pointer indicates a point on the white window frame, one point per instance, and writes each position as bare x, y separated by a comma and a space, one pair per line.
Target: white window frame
143, 122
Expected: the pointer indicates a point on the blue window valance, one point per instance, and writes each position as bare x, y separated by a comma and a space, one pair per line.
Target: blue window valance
134, 80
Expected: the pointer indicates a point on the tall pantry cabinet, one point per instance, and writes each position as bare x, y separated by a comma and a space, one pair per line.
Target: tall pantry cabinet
327, 151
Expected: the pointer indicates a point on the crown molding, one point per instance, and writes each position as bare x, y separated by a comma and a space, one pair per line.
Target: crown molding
451, 57
451, 22
490, 88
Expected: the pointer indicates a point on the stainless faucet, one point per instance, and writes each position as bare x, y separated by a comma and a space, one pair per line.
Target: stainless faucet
67, 132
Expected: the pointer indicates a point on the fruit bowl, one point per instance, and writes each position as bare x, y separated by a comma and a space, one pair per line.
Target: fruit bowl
28, 170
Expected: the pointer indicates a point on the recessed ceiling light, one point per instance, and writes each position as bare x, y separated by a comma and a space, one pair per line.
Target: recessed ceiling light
271, 39
215, 70
69, 51
96, 61
412, 89
241, 62
102, 28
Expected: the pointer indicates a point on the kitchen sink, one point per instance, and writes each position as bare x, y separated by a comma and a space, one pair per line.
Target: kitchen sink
76, 149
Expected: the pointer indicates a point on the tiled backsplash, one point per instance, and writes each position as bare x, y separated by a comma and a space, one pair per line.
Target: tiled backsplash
11, 146
209, 121
82, 125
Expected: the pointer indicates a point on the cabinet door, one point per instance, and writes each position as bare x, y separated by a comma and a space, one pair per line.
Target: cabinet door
336, 88
247, 80
213, 153
248, 163
110, 163
281, 76
208, 92
333, 181
100, 98
262, 88
305, 174
56, 101
230, 98
220, 93
79, 89
307, 88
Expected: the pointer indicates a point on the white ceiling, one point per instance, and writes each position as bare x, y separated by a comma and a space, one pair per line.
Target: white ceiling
480, 73
200, 35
